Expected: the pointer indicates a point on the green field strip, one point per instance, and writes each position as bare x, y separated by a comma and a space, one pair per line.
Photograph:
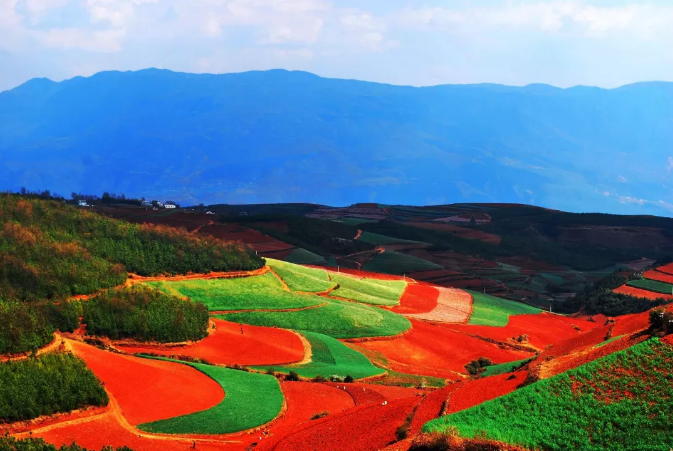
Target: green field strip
391, 262
376, 238
502, 368
301, 278
263, 292
489, 310
338, 319
621, 402
368, 291
251, 400
652, 285
330, 357
300, 256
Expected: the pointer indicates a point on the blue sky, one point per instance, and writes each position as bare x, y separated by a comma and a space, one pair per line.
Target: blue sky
605, 43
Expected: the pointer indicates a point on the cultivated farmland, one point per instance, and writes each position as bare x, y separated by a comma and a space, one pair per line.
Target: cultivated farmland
368, 291
301, 278
492, 311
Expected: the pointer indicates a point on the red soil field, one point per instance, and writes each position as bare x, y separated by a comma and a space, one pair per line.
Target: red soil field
542, 329
370, 427
417, 298
653, 274
581, 341
227, 346
436, 350
630, 324
453, 306
474, 392
638, 292
431, 407
107, 431
668, 269
668, 339
150, 390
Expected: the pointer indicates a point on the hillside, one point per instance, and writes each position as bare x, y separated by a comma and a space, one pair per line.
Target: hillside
276, 136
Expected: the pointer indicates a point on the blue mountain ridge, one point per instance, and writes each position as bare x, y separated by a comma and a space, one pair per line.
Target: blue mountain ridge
282, 136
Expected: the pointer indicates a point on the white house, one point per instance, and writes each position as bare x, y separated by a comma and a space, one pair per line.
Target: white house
210, 212
169, 206
82, 203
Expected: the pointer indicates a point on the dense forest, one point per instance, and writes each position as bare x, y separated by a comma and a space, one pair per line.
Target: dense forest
146, 314
49, 384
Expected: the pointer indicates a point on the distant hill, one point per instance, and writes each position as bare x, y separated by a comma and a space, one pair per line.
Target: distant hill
282, 136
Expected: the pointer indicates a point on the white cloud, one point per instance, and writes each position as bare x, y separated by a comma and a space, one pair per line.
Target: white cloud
76, 38
669, 164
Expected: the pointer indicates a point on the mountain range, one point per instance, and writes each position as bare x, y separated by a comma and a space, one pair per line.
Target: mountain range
281, 136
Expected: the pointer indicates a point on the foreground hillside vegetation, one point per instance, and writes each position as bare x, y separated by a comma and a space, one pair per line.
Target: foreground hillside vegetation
47, 385
31, 444
145, 314
620, 402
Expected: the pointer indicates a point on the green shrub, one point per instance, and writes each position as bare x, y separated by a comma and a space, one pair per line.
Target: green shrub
46, 385
145, 314
292, 376
33, 444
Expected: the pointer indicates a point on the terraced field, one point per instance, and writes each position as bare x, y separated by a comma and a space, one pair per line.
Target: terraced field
251, 400
301, 278
338, 319
263, 292
652, 285
391, 262
619, 402
489, 310
329, 358
369, 291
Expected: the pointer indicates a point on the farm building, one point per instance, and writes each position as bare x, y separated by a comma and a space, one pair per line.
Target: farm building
169, 206
82, 203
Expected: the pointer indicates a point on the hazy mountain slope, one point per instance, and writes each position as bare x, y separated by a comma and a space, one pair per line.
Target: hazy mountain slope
292, 136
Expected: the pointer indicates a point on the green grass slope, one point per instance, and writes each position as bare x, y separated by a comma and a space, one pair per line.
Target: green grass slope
622, 402
502, 368
489, 310
300, 256
338, 319
391, 262
250, 400
246, 293
301, 278
331, 357
652, 285
369, 291
375, 238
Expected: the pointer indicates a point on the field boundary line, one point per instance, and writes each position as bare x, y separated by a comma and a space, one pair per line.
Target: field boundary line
135, 278
227, 312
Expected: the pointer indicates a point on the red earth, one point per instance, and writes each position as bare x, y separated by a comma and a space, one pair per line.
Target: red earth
668, 269
227, 346
542, 329
474, 392
150, 390
431, 407
364, 428
653, 274
638, 292
417, 298
436, 350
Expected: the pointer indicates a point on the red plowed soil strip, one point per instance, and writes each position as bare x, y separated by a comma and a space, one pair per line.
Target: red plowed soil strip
228, 346
417, 298
668, 269
542, 329
630, 324
150, 390
375, 394
435, 350
581, 341
633, 291
668, 339
453, 306
370, 427
477, 391
431, 407
653, 274
106, 431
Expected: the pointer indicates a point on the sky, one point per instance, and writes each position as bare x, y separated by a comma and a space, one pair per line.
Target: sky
606, 43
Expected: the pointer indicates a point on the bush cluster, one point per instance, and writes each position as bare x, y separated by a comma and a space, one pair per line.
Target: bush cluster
32, 444
49, 384
145, 314
661, 321
477, 366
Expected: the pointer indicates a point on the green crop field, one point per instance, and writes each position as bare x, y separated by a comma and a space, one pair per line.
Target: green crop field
489, 310
369, 291
375, 238
251, 400
391, 262
300, 256
331, 357
652, 285
338, 319
245, 293
301, 278
502, 368
620, 402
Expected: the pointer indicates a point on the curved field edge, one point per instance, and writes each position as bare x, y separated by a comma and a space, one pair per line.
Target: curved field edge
330, 357
338, 319
368, 291
489, 310
620, 402
301, 278
251, 400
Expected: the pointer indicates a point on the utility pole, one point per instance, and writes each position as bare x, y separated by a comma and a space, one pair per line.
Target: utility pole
338, 269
